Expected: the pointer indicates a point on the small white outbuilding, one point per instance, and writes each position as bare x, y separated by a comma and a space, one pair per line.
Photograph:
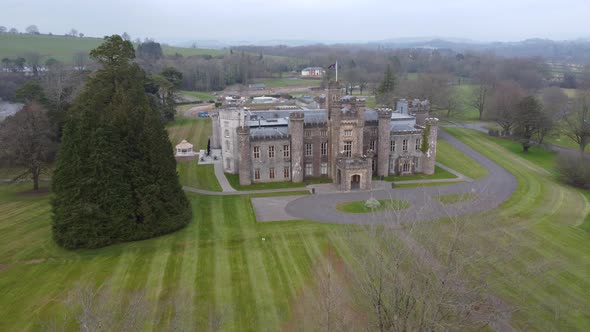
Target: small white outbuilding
184, 149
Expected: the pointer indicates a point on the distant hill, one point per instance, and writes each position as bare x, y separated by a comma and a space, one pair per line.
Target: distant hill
63, 48
555, 50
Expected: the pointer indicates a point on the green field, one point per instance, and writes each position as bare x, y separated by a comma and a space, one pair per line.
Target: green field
386, 204
546, 272
64, 48
197, 132
220, 263
204, 96
447, 155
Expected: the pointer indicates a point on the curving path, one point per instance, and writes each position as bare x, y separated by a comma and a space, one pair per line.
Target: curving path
491, 191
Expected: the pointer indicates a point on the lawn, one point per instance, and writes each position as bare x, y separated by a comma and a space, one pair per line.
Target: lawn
449, 156
385, 204
564, 142
283, 82
197, 132
217, 263
64, 48
439, 173
204, 96
234, 181
547, 268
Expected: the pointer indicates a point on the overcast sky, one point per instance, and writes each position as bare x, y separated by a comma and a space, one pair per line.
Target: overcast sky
318, 20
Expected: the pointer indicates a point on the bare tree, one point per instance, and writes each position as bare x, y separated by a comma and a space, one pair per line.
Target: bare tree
3, 29
34, 60
577, 122
72, 33
555, 103
32, 30
485, 80
81, 60
126, 36
503, 105
91, 308
13, 31
26, 139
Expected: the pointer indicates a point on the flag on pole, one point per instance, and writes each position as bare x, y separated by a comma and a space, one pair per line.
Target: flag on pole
334, 66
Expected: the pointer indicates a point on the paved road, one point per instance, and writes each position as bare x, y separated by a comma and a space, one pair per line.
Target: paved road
491, 192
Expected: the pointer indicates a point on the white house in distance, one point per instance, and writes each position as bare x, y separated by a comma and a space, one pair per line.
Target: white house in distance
313, 72
184, 151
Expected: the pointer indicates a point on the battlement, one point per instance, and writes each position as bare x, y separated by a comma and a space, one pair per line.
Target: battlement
432, 121
347, 163
296, 116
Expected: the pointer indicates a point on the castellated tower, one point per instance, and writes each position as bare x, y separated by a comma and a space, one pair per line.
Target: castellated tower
333, 107
296, 133
420, 109
383, 148
429, 158
245, 164
216, 136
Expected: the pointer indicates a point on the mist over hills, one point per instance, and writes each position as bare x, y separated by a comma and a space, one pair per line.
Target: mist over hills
577, 50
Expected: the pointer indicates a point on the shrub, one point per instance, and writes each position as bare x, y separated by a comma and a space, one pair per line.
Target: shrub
574, 169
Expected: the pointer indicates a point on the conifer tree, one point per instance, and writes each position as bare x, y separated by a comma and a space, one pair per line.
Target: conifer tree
116, 177
386, 88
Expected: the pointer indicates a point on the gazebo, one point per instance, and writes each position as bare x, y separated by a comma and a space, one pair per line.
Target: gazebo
184, 150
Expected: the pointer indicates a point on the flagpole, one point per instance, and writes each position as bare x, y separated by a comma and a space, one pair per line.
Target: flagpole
336, 70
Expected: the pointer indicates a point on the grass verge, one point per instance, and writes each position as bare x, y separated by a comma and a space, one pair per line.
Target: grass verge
384, 205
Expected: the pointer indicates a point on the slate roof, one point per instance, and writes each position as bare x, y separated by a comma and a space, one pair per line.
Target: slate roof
269, 133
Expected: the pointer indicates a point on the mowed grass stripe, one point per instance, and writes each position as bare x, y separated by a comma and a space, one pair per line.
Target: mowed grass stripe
155, 280
187, 287
247, 269
548, 268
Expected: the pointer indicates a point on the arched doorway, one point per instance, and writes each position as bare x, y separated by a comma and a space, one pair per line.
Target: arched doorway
355, 182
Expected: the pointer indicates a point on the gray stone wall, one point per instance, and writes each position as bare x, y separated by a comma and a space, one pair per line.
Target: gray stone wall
315, 135
412, 154
229, 121
383, 149
215, 136
429, 158
265, 162
296, 133
243, 134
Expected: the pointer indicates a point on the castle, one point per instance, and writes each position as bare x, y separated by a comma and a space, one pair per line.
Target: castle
346, 142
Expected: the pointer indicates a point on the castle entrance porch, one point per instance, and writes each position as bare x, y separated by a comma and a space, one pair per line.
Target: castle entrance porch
355, 182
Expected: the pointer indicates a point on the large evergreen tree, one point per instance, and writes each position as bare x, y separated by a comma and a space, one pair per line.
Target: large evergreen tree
115, 178
385, 90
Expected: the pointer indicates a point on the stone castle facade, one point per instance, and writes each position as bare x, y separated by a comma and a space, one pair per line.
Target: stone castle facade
346, 142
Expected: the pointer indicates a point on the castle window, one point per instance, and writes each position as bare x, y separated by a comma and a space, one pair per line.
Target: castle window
308, 149
308, 133
418, 143
405, 145
226, 133
257, 174
271, 151
348, 133
324, 148
226, 145
271, 173
392, 145
308, 169
324, 169
348, 148
372, 145
256, 152
286, 151
324, 133
286, 172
